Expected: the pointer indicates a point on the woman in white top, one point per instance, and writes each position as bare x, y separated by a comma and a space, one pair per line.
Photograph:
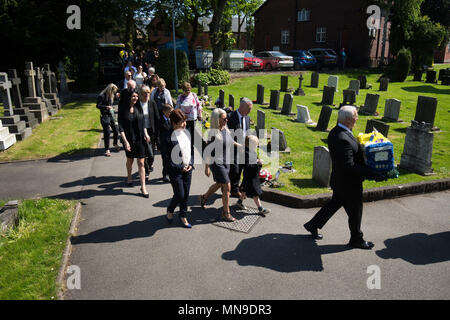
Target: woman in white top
140, 77
181, 163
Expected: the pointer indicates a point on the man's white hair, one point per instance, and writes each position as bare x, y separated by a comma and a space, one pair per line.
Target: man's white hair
246, 101
345, 113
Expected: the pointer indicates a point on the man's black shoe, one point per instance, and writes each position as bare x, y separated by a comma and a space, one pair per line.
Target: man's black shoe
367, 245
313, 231
166, 179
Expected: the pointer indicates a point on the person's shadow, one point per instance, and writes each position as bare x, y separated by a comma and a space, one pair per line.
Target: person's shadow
418, 248
282, 252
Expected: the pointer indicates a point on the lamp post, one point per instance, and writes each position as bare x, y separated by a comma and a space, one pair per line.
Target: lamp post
174, 43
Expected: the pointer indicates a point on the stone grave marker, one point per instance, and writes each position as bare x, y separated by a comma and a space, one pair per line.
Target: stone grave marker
418, 148
64, 92
221, 99
431, 76
284, 84
315, 80
328, 96
392, 110
40, 92
324, 118
349, 98
15, 91
231, 101
303, 115
445, 81
426, 110
33, 102
370, 105
333, 81
260, 95
206, 89
381, 127
354, 85
10, 120
50, 86
384, 84
322, 166
7, 139
299, 91
287, 105
363, 82
278, 141
274, 99
260, 123
199, 89
418, 75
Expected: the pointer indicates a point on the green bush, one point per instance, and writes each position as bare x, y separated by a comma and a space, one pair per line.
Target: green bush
165, 67
400, 68
213, 77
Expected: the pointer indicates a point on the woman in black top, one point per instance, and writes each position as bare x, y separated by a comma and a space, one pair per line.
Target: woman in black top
135, 138
104, 103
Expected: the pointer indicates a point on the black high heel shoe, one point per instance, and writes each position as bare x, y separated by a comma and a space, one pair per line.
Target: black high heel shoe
145, 195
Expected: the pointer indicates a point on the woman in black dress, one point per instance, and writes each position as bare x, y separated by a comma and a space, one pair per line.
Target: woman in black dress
219, 162
135, 138
251, 185
104, 103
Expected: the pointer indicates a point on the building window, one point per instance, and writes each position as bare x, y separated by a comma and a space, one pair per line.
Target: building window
284, 36
321, 34
303, 15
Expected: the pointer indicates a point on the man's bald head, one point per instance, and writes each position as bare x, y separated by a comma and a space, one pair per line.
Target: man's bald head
131, 84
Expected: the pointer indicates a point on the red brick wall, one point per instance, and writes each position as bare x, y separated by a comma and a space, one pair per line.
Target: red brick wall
443, 56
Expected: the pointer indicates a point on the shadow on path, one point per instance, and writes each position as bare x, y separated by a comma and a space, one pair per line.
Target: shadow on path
418, 248
282, 252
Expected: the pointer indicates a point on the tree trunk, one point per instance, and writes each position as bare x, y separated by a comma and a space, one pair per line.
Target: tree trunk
218, 7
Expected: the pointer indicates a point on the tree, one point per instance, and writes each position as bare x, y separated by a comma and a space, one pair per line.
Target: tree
244, 10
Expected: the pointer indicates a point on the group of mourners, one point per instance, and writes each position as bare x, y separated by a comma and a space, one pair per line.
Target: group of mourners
149, 120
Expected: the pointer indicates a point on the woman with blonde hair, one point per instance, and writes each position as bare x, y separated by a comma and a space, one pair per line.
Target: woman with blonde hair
219, 139
104, 103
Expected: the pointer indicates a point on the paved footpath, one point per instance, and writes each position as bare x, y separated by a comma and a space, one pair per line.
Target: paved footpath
126, 250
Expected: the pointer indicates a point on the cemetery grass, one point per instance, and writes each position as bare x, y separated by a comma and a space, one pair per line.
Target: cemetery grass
30, 254
76, 132
302, 139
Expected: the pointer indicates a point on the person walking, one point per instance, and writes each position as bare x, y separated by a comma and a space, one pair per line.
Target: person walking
251, 184
104, 103
164, 127
218, 154
180, 168
134, 137
239, 121
140, 76
189, 103
347, 176
343, 58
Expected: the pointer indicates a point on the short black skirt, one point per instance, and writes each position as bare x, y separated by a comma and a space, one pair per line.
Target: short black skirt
220, 173
137, 150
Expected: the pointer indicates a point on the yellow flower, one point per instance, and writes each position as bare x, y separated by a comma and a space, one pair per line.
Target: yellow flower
207, 125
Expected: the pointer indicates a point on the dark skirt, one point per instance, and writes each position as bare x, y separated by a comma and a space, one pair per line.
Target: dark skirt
137, 150
251, 184
220, 173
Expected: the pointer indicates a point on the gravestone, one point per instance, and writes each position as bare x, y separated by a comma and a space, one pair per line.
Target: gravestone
33, 102
322, 166
333, 81
10, 120
50, 90
303, 115
315, 80
328, 96
431, 76
231, 101
381, 127
284, 84
287, 105
363, 82
278, 141
206, 89
7, 139
260, 123
19, 109
274, 99
199, 89
64, 92
370, 105
443, 73
418, 148
324, 118
384, 84
221, 99
392, 110
445, 81
354, 85
418, 75
40, 92
260, 95
299, 91
426, 110
349, 98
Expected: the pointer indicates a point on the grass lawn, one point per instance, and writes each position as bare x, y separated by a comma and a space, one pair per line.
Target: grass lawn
302, 139
77, 131
30, 254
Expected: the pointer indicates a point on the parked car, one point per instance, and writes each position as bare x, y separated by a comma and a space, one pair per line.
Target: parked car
275, 60
325, 57
302, 59
252, 63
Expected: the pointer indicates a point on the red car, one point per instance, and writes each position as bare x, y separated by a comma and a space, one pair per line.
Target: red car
275, 60
251, 62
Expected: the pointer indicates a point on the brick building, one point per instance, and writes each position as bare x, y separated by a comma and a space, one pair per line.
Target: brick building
443, 56
304, 24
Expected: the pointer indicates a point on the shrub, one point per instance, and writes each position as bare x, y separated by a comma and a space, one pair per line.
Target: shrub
399, 70
165, 67
213, 77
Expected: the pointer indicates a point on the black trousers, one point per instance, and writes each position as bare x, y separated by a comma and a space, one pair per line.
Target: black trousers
108, 124
150, 156
181, 184
235, 176
353, 205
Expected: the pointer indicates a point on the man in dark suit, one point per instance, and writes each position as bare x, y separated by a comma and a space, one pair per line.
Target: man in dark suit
238, 119
347, 176
165, 128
